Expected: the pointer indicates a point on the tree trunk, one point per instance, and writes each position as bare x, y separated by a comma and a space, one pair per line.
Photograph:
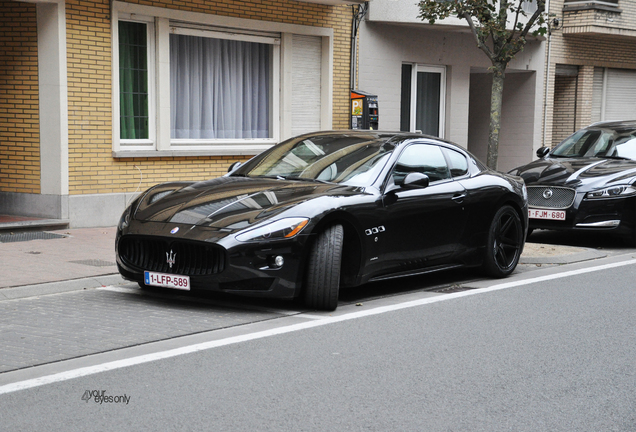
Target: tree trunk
496, 99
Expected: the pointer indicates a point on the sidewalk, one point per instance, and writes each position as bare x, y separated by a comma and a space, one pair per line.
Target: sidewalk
72, 259
66, 260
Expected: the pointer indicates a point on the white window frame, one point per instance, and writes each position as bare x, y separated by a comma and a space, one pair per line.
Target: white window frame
274, 91
163, 21
150, 142
415, 68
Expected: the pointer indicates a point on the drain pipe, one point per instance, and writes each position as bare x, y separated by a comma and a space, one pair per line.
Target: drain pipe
557, 25
545, 92
358, 15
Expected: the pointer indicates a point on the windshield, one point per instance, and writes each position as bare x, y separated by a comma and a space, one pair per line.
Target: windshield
603, 143
354, 160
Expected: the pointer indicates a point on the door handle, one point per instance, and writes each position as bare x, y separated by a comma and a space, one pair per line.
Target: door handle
459, 198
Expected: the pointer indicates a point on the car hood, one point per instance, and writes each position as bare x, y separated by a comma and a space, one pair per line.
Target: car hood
230, 203
575, 172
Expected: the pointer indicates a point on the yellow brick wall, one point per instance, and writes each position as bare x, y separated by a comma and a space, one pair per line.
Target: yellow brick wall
565, 88
19, 121
91, 166
605, 21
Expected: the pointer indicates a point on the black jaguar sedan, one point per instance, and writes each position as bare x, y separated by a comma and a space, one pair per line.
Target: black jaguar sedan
587, 182
323, 211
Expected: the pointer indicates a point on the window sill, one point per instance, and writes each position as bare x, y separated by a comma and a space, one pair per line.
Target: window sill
244, 150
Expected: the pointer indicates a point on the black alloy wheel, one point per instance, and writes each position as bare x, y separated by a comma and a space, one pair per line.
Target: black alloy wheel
322, 280
505, 241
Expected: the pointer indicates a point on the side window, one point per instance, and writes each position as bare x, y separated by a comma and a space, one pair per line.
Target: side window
423, 158
458, 163
627, 148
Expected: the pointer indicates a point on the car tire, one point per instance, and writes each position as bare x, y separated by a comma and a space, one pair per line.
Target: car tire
322, 279
505, 242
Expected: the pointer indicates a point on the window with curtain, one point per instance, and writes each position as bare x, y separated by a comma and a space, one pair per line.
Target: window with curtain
133, 80
219, 88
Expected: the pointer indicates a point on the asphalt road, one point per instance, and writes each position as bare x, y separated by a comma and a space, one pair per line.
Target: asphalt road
551, 349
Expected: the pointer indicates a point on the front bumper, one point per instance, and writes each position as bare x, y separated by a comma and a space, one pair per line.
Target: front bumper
232, 267
615, 215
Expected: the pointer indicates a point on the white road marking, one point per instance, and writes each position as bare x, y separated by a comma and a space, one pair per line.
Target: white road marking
118, 364
311, 316
140, 292
135, 291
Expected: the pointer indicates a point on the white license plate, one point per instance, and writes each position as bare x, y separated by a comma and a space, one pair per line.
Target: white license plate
167, 280
546, 214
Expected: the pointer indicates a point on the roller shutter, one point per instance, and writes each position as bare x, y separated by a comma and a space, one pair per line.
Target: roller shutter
306, 83
614, 96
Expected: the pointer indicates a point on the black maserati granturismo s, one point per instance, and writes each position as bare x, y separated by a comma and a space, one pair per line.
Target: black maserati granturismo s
587, 182
323, 211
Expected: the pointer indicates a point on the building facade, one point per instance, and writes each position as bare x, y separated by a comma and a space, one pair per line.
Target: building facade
591, 67
434, 79
100, 99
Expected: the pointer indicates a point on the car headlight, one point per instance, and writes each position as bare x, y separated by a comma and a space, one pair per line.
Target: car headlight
618, 191
124, 220
278, 230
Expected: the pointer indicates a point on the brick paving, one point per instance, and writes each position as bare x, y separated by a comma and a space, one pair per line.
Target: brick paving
40, 330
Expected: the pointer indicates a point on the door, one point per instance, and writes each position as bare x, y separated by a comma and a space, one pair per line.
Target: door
423, 102
423, 225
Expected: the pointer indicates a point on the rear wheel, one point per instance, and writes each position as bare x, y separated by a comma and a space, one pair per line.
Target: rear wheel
322, 279
505, 240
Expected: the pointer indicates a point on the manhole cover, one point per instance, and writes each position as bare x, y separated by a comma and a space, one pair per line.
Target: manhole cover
94, 263
453, 289
29, 235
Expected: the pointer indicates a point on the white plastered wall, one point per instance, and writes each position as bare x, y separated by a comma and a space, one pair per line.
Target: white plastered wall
385, 47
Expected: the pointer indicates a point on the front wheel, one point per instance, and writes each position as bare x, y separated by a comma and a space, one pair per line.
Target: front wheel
505, 241
322, 279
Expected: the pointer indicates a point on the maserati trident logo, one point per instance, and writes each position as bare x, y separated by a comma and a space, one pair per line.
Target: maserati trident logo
547, 194
171, 258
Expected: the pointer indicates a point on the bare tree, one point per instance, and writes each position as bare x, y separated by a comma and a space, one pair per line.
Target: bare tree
500, 28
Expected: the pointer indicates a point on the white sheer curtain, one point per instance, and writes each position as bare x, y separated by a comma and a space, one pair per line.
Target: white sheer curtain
218, 88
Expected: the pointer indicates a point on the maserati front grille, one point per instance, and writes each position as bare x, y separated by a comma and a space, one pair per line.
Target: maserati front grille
172, 256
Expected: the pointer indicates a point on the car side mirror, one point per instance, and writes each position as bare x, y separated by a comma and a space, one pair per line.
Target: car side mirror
543, 152
234, 166
415, 180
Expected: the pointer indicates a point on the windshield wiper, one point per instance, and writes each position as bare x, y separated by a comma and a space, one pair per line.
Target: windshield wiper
306, 179
291, 178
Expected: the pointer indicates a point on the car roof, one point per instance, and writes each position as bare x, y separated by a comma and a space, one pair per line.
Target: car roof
394, 137
615, 124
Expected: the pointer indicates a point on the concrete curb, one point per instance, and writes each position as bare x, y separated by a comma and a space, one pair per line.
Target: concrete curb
60, 287
584, 254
